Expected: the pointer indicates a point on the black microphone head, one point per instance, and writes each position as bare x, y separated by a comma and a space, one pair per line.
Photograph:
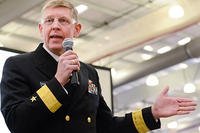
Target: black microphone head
68, 44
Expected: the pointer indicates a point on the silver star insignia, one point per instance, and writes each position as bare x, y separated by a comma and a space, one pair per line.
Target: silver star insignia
33, 98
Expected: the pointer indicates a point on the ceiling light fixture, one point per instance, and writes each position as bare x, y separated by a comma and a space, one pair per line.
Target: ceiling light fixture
146, 56
183, 65
184, 41
81, 8
176, 12
189, 88
152, 80
164, 50
148, 48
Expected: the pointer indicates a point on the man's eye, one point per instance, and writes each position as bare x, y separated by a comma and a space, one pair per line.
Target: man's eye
49, 20
63, 21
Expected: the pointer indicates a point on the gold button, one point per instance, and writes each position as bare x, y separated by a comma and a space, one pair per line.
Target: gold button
89, 120
67, 118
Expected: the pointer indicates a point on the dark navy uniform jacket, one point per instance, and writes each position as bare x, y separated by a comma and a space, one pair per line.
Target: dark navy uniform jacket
33, 101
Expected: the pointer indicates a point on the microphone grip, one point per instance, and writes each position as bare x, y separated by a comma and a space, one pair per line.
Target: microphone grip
74, 79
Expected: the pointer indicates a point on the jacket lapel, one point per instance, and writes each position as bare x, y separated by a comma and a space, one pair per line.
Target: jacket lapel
80, 91
45, 63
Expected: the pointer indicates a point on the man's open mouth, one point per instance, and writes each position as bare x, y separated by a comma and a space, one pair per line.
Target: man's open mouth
56, 36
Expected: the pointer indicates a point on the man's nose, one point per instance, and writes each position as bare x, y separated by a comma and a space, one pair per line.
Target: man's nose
56, 24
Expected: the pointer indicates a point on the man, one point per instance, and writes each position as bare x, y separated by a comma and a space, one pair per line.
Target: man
38, 97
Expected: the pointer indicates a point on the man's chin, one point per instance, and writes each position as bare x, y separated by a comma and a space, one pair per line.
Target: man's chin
55, 47
55, 44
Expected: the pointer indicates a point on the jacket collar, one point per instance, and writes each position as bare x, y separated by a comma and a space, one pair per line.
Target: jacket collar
45, 62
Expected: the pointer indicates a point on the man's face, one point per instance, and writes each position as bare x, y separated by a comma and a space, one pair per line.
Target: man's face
57, 25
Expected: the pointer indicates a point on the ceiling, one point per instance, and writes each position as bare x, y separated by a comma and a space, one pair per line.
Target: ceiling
114, 35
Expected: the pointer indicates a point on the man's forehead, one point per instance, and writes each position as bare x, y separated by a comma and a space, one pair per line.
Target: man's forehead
64, 11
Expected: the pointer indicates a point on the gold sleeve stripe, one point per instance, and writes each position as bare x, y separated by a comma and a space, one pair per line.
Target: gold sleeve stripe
139, 122
49, 99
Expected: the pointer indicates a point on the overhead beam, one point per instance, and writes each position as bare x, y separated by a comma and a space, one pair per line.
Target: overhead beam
139, 2
12, 9
178, 55
26, 22
100, 8
20, 36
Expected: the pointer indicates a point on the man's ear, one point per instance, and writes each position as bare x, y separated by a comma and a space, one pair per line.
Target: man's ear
77, 30
40, 28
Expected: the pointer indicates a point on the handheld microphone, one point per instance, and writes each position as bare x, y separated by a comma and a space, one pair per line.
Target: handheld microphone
67, 45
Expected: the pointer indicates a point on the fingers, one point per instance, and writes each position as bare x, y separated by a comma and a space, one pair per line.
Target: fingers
188, 108
165, 91
70, 56
185, 110
67, 63
74, 61
186, 104
184, 100
71, 64
75, 65
69, 52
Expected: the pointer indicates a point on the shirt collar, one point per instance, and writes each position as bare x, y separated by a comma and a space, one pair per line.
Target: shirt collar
52, 54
